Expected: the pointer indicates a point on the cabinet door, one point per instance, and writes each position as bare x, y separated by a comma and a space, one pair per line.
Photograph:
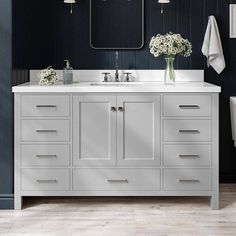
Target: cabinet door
138, 130
94, 130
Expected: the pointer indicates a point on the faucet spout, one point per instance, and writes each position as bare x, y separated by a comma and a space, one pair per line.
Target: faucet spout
117, 66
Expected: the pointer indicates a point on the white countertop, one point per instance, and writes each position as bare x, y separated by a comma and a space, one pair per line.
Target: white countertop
147, 87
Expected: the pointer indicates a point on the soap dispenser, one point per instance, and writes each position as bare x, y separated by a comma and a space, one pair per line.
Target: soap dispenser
68, 73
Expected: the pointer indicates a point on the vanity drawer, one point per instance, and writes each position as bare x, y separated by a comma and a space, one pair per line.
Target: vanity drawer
45, 155
187, 105
116, 179
187, 179
45, 105
45, 130
187, 130
45, 179
187, 155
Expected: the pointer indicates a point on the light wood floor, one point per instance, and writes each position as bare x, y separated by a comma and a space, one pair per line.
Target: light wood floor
162, 216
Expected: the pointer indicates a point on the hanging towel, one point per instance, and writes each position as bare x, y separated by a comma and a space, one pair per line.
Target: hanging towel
212, 47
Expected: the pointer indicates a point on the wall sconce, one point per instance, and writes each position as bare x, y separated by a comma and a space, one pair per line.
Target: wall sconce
71, 2
163, 2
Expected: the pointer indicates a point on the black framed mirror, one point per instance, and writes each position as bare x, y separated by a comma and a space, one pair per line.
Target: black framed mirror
116, 24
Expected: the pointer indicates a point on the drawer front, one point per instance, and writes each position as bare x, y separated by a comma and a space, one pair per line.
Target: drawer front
187, 130
45, 179
45, 105
187, 105
45, 155
116, 179
187, 179
187, 155
45, 130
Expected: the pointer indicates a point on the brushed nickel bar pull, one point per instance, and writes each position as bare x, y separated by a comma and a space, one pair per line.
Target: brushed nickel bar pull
189, 107
46, 130
189, 180
188, 156
117, 181
189, 131
44, 181
46, 156
46, 106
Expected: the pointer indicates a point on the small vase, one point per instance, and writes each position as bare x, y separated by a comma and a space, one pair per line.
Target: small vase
170, 71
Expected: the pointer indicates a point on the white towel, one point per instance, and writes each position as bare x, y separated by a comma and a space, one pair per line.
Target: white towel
212, 47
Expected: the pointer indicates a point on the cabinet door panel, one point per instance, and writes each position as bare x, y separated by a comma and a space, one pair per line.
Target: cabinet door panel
94, 135
138, 130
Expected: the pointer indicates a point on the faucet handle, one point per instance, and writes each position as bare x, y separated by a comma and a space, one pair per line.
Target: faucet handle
106, 75
127, 78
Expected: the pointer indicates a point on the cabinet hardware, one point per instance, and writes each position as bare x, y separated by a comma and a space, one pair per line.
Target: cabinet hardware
117, 181
46, 131
194, 131
189, 107
121, 109
113, 109
46, 181
189, 180
46, 106
46, 156
188, 156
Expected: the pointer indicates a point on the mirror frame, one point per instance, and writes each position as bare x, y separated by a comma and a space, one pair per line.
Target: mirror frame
121, 48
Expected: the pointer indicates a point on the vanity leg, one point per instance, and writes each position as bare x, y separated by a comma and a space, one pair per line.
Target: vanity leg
17, 202
215, 202
215, 153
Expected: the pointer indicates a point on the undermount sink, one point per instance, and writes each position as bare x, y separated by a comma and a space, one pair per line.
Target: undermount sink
117, 84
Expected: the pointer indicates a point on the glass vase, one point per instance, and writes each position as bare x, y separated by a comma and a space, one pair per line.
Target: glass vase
170, 71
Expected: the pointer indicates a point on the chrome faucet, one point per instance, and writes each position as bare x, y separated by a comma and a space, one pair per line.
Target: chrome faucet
117, 67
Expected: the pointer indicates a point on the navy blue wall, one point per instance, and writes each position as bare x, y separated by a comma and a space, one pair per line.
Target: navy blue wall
45, 34
6, 107
51, 34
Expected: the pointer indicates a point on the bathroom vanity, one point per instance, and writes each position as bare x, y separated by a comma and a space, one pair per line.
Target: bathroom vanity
136, 140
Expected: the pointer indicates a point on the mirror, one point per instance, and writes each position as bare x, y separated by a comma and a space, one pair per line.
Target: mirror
116, 24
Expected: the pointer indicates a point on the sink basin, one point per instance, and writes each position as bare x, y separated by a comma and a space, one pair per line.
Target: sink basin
117, 84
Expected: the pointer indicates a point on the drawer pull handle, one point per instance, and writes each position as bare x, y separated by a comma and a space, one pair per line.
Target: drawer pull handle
44, 181
189, 180
189, 107
117, 181
188, 156
46, 156
46, 131
186, 131
46, 106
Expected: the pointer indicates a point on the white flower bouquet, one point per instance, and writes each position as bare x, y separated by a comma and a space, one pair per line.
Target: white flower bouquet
170, 45
47, 76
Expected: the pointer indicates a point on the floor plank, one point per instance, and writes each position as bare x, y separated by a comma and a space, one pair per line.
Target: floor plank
160, 216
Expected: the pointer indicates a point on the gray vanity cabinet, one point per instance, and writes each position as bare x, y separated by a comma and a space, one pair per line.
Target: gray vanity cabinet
116, 144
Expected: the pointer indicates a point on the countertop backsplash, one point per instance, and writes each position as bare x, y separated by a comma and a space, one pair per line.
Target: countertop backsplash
137, 75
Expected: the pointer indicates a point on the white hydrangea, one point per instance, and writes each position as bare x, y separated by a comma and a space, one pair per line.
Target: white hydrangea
170, 45
47, 76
